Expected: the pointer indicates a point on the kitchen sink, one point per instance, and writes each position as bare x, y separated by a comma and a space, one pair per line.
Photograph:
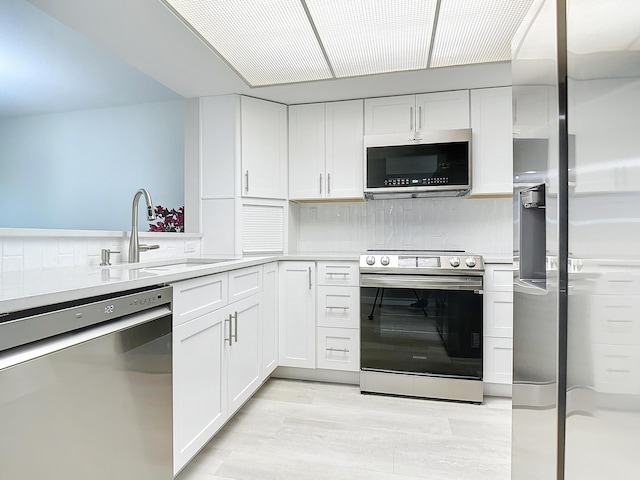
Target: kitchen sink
168, 266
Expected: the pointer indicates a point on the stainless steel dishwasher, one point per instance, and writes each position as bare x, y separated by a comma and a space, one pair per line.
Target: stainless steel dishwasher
86, 389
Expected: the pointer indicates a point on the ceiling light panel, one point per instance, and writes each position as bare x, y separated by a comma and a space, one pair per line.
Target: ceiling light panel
476, 31
363, 37
266, 41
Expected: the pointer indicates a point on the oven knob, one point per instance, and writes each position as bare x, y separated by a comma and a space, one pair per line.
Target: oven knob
371, 260
454, 261
471, 262
384, 260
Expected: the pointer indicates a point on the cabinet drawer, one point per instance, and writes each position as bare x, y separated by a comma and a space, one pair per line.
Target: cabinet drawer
498, 314
244, 282
498, 278
497, 360
198, 296
338, 273
339, 307
339, 348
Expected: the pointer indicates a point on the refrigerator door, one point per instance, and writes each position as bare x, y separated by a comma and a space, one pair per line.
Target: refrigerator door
535, 302
603, 347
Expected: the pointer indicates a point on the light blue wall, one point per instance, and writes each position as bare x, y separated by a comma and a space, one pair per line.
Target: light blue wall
81, 169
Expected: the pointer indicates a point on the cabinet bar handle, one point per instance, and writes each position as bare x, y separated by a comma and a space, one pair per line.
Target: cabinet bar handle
338, 273
309, 278
235, 329
337, 308
246, 176
328, 184
229, 339
410, 118
320, 184
420, 118
343, 350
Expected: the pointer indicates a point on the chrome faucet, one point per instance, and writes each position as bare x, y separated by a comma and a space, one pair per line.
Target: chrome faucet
134, 247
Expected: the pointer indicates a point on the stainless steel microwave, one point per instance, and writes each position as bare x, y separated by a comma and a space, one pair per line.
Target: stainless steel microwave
434, 163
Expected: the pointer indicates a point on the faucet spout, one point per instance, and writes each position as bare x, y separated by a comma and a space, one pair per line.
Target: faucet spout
134, 245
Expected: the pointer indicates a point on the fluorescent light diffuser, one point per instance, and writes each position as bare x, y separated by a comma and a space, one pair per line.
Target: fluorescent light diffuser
476, 31
266, 42
363, 37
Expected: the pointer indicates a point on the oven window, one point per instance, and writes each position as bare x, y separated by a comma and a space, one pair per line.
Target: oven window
435, 332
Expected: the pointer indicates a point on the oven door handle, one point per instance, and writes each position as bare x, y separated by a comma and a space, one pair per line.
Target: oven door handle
435, 282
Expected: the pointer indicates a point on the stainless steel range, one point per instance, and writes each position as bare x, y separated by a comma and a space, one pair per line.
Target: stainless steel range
421, 324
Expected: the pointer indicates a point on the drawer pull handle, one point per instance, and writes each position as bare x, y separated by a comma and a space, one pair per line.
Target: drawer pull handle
337, 273
343, 350
337, 308
618, 370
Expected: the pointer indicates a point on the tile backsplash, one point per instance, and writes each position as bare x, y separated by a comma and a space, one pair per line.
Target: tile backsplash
482, 225
59, 249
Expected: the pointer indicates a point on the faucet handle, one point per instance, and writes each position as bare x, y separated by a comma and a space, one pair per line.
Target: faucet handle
144, 248
105, 257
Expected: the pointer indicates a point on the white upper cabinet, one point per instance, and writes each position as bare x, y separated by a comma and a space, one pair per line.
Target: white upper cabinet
264, 148
443, 110
412, 114
389, 115
491, 142
306, 151
326, 151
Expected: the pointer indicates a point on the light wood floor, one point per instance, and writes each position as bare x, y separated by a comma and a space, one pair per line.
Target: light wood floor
305, 430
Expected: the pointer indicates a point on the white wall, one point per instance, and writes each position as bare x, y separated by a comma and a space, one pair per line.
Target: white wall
482, 226
80, 170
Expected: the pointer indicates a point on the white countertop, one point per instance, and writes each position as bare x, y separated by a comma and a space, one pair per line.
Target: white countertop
35, 288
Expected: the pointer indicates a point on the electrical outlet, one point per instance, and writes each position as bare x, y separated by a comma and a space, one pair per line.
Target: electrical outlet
189, 247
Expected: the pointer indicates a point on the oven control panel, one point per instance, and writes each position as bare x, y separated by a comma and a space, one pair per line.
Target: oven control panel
426, 262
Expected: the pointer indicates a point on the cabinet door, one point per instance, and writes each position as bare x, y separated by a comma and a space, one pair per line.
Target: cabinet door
307, 152
389, 115
443, 110
269, 320
297, 328
198, 366
491, 142
498, 314
344, 149
497, 360
264, 149
243, 350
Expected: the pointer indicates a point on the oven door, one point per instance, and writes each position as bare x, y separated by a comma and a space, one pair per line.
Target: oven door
427, 325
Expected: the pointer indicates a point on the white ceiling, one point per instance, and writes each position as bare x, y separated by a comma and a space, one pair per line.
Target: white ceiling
145, 34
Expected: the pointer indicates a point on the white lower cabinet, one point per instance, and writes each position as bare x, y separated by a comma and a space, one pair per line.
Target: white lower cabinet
243, 351
269, 360
218, 360
198, 371
498, 324
297, 312
338, 328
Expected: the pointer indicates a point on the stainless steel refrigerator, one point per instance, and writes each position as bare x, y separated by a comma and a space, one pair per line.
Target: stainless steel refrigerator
576, 351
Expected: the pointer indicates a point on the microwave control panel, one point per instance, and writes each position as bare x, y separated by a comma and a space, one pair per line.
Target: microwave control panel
415, 182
